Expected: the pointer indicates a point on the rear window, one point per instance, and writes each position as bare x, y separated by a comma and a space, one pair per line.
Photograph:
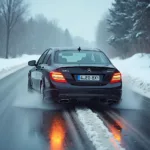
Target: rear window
82, 57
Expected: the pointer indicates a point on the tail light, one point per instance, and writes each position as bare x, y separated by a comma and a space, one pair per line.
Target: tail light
57, 77
116, 78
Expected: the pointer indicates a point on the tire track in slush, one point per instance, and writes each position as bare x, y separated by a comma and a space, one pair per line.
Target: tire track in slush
97, 132
127, 135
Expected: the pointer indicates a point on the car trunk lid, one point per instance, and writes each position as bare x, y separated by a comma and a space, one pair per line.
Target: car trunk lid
73, 73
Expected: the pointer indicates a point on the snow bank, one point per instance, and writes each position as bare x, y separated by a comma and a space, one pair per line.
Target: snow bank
11, 65
136, 72
96, 131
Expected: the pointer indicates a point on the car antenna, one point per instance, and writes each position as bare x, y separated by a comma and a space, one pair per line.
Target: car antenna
79, 49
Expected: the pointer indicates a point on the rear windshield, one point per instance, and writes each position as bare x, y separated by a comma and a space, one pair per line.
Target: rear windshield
82, 57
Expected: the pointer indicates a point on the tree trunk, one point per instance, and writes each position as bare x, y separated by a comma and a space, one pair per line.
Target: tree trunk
7, 43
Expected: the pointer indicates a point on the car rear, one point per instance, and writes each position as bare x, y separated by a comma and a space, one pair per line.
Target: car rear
84, 75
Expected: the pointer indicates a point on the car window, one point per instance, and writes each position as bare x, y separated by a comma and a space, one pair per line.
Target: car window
49, 62
102, 57
41, 59
47, 57
82, 57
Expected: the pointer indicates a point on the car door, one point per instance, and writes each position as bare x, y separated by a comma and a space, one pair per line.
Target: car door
39, 65
40, 69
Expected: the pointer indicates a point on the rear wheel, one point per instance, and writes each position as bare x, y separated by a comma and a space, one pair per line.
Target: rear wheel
42, 88
45, 97
29, 85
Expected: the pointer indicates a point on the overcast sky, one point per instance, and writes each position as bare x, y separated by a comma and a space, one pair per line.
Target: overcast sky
79, 16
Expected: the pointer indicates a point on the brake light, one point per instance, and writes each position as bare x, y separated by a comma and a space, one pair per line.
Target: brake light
57, 77
116, 78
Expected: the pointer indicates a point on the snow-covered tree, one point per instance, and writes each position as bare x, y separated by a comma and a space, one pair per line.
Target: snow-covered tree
120, 24
130, 25
141, 26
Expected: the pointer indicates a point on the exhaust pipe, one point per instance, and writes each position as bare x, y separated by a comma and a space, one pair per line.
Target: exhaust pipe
64, 101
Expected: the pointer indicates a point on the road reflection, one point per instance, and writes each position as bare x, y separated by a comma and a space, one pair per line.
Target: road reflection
114, 125
116, 129
54, 129
57, 133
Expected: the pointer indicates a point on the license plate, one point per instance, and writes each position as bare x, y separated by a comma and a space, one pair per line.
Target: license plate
88, 77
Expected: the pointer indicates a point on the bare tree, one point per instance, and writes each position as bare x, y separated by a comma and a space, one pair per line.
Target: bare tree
11, 11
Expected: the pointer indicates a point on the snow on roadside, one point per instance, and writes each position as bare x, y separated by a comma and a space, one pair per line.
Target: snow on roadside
136, 73
96, 131
11, 65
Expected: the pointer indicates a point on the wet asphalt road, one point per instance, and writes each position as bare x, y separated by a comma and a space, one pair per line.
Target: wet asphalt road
28, 124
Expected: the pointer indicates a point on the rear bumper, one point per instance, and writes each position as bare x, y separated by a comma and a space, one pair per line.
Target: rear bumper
86, 94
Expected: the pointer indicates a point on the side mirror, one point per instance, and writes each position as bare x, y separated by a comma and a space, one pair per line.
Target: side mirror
32, 63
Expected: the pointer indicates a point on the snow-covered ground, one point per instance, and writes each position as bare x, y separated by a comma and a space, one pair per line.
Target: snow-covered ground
11, 65
136, 72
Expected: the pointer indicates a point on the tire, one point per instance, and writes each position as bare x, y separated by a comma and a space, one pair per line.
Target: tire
29, 85
45, 96
42, 89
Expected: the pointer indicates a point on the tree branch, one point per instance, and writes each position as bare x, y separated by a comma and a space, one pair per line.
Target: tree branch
16, 4
3, 11
18, 15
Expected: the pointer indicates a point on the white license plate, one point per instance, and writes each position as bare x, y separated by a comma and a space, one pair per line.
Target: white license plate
88, 77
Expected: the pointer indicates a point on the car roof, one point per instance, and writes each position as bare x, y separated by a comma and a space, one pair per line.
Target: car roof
74, 49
